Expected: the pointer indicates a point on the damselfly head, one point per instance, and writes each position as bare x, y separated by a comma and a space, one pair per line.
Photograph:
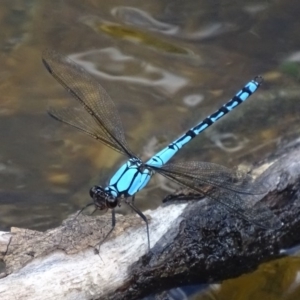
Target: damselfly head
102, 198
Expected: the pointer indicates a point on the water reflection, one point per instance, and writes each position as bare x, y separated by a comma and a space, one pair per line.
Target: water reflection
276, 280
141, 19
142, 72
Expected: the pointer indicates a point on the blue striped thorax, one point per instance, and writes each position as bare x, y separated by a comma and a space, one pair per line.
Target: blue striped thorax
130, 178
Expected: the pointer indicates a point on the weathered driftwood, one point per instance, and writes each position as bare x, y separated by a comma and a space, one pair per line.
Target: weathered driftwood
192, 242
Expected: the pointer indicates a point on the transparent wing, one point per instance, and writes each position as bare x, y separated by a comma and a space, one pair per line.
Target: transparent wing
83, 121
100, 118
229, 185
214, 175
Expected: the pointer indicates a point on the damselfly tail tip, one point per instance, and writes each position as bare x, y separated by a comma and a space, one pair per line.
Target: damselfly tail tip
259, 79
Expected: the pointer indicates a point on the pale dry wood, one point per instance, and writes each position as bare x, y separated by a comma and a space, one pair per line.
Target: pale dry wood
62, 264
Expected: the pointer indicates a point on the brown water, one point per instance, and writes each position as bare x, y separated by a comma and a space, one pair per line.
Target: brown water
166, 65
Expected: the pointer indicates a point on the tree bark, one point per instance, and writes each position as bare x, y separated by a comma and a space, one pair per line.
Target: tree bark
192, 242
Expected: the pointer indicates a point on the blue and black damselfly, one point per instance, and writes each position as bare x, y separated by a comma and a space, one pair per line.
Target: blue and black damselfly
98, 117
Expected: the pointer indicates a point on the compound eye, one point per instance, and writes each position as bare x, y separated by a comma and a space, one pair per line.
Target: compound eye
95, 190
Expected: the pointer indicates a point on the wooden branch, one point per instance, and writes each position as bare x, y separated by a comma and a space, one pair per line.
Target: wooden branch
192, 242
